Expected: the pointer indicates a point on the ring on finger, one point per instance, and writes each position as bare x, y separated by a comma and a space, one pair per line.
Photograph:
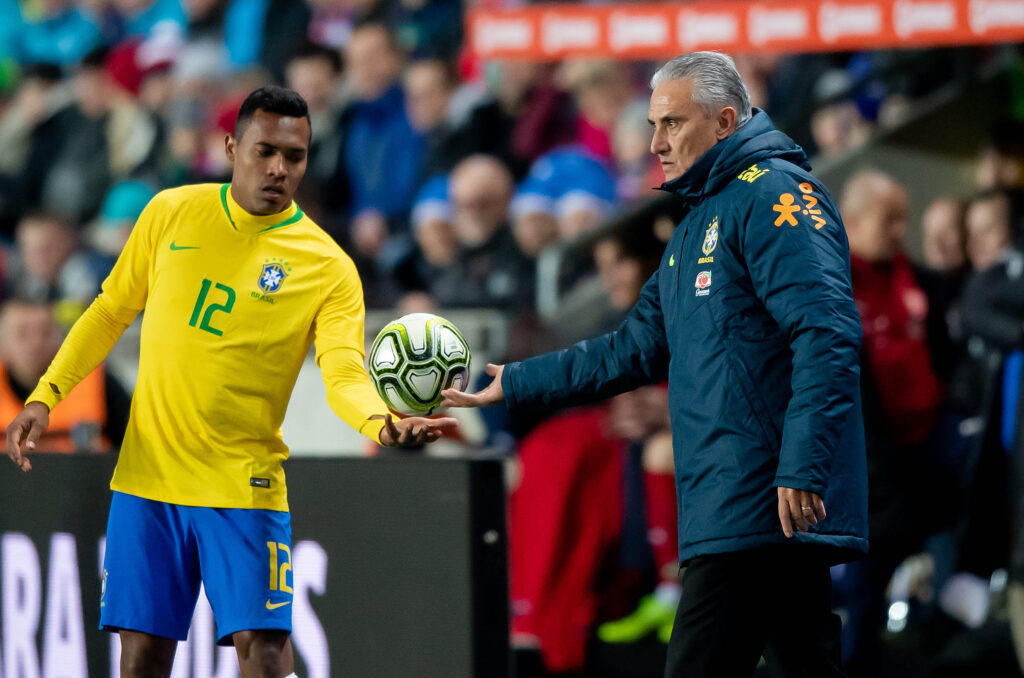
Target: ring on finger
806, 509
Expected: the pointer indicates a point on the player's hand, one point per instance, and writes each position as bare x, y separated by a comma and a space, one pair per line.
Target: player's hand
491, 395
24, 431
412, 431
799, 508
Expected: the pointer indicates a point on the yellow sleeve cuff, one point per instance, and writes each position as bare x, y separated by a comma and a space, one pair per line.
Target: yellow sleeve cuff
44, 394
371, 428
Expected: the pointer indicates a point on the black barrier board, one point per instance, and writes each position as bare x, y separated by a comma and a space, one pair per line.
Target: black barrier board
398, 569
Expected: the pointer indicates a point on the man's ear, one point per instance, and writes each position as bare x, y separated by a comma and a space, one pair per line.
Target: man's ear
726, 122
230, 145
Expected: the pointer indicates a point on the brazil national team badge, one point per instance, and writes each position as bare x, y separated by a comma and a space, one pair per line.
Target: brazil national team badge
272, 275
711, 238
703, 284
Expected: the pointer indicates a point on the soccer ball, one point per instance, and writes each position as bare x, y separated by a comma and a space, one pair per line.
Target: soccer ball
414, 358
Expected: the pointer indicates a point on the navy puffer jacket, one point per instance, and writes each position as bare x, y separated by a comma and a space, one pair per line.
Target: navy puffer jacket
751, 317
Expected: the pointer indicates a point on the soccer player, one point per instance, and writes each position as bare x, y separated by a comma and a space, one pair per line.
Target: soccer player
237, 282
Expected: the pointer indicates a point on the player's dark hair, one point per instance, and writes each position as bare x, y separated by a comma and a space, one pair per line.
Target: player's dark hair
271, 99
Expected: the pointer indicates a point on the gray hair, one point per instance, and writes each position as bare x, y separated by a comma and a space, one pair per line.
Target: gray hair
716, 82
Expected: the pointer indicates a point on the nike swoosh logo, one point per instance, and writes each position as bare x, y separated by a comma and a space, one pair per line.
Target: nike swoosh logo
175, 248
671, 259
274, 606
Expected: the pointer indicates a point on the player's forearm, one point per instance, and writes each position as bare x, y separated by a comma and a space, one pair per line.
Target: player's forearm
88, 343
350, 393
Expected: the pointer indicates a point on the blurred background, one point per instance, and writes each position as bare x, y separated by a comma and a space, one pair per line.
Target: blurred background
488, 161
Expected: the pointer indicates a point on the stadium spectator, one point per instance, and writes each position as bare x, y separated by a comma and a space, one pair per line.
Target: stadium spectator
432, 225
557, 551
53, 32
992, 303
44, 243
86, 268
601, 90
988, 228
993, 322
533, 216
315, 73
837, 123
1001, 161
944, 235
104, 135
455, 121
92, 418
376, 190
489, 270
902, 397
31, 128
636, 171
426, 26
543, 113
569, 184
625, 260
159, 21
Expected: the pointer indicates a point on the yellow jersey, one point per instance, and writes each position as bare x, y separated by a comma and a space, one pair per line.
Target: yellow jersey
232, 304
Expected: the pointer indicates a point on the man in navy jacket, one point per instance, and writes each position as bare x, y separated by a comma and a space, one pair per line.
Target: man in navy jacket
751, 317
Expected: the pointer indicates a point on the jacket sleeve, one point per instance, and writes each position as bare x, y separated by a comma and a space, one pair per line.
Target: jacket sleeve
800, 269
636, 353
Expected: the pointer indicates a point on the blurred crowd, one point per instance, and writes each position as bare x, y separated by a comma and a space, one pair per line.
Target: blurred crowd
457, 183
431, 168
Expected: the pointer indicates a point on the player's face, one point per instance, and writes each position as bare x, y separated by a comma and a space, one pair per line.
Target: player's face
269, 161
682, 131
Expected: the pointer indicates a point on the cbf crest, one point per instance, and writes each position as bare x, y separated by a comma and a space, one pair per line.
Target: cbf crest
710, 243
272, 275
710, 238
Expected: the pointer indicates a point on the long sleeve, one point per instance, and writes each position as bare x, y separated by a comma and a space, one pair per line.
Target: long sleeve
636, 353
123, 295
802, 275
338, 333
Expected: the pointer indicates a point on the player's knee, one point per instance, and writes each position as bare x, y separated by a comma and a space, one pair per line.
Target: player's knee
263, 654
146, 656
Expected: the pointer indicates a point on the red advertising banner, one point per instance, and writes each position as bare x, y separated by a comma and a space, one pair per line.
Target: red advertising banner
640, 31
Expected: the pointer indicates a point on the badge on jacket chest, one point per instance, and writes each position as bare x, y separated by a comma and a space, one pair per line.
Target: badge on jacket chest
710, 243
703, 284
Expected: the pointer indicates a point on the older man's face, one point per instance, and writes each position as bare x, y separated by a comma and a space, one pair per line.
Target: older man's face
682, 131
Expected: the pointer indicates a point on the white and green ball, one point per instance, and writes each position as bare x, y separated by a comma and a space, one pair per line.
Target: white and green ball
416, 357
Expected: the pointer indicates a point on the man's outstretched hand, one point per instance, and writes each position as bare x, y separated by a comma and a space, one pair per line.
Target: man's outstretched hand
490, 395
412, 431
24, 431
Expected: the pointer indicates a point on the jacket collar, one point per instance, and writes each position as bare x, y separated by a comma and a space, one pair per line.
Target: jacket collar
755, 141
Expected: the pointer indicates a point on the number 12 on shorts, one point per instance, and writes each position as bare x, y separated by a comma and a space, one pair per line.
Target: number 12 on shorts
279, 576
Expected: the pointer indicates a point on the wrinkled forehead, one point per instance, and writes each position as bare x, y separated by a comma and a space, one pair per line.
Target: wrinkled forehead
672, 96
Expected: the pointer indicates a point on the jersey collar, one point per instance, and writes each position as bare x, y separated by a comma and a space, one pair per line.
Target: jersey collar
254, 224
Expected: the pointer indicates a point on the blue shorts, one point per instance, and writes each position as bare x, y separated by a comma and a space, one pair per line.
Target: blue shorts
158, 554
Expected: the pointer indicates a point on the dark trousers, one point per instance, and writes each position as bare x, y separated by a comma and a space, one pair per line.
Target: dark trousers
736, 607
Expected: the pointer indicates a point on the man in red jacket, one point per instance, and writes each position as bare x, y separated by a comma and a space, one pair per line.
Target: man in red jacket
902, 397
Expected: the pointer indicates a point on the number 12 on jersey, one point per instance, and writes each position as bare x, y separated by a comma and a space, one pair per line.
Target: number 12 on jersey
279, 578
225, 307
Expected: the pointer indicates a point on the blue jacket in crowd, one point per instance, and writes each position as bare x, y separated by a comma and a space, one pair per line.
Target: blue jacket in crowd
751, 318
